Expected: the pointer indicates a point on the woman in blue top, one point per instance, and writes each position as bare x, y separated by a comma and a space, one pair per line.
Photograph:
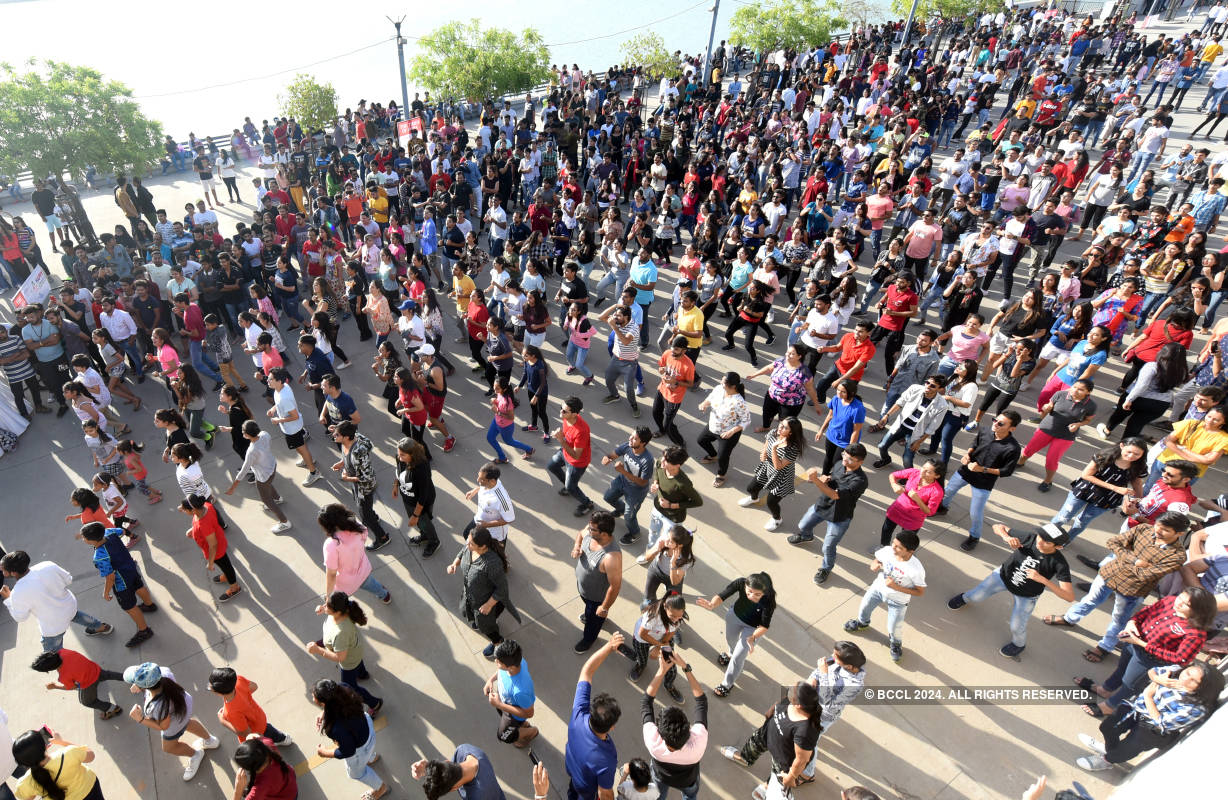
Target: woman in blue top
845, 416
1086, 358
739, 276
1066, 331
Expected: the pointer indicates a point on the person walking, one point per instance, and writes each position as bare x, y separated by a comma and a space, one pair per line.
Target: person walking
260, 463
1060, 421
341, 643
344, 720
357, 468
900, 578
41, 591
121, 577
483, 569
240, 713
503, 406
415, 485
262, 771
167, 708
347, 568
211, 539
509, 690
1034, 565
599, 571
495, 510
994, 454
575, 453
747, 620
675, 494
55, 767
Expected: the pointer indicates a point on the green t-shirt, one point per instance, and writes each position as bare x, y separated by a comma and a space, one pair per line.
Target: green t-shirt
343, 635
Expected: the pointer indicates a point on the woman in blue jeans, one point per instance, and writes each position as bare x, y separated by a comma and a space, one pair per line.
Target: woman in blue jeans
342, 644
345, 722
746, 621
504, 423
960, 393
1112, 474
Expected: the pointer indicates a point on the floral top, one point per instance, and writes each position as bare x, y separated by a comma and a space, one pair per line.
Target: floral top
788, 385
381, 317
726, 411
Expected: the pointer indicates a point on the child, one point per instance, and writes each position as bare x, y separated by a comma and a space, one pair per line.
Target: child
635, 781
209, 535
240, 713
900, 578
114, 500
217, 344
75, 671
91, 508
131, 452
264, 303
89, 377
122, 576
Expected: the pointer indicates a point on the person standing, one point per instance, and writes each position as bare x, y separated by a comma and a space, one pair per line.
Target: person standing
674, 494
357, 468
41, 591
599, 574
994, 454
240, 713
675, 744
415, 485
121, 577
344, 720
788, 734
839, 679
746, 621
841, 489
590, 755
626, 354
347, 568
900, 578
677, 375
574, 455
43, 340
285, 415
509, 690
483, 568
728, 416
1035, 564
211, 539
634, 465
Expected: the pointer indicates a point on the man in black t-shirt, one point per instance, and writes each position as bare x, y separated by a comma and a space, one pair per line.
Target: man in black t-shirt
994, 454
841, 490
204, 170
44, 203
1035, 564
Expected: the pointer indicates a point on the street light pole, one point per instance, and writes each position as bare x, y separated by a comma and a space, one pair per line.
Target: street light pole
912, 12
401, 59
716, 9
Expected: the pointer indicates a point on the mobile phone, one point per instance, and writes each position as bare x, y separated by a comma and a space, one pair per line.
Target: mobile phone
534, 758
1214, 345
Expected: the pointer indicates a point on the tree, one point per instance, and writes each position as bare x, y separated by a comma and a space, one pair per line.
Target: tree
647, 50
311, 103
948, 9
58, 118
864, 12
463, 61
771, 24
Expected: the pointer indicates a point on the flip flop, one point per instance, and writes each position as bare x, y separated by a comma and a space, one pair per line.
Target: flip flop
1058, 621
1086, 684
1093, 710
1094, 655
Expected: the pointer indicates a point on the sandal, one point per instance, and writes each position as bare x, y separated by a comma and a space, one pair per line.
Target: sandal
721, 690
718, 481
1093, 710
707, 460
113, 711
1095, 655
1086, 684
1057, 620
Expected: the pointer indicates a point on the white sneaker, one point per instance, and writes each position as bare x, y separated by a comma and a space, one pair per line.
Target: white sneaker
1092, 743
1093, 763
212, 743
342, 365
642, 560
311, 478
193, 765
1103, 430
772, 524
282, 527
300, 463
746, 501
286, 742
279, 500
759, 792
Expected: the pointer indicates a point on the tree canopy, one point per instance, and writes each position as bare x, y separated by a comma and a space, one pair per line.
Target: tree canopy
948, 9
58, 118
311, 103
771, 24
462, 60
648, 50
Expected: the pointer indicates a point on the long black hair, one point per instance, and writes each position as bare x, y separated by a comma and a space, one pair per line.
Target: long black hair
1138, 469
253, 754
1171, 369
339, 702
482, 538
661, 608
172, 696
29, 750
340, 601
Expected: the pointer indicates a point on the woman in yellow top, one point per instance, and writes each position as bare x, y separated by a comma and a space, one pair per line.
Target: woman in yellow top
1201, 441
57, 768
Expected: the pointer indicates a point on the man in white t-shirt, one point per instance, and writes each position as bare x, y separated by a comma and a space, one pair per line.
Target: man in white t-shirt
41, 591
495, 511
496, 216
901, 577
1151, 144
821, 327
285, 415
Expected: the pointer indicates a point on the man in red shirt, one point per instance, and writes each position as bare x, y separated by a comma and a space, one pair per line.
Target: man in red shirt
856, 351
894, 312
573, 456
75, 671
193, 329
677, 375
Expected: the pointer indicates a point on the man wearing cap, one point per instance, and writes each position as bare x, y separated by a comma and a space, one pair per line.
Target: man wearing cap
412, 328
434, 382
1035, 564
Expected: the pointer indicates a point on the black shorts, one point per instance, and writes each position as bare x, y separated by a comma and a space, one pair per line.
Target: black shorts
518, 333
127, 597
509, 727
296, 440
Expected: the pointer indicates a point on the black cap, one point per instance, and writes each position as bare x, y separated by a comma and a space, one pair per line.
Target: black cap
1053, 534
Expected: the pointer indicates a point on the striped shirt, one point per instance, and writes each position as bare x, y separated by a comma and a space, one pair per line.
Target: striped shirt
18, 370
628, 351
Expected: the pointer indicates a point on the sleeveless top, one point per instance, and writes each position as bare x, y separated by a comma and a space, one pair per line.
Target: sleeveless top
592, 583
441, 393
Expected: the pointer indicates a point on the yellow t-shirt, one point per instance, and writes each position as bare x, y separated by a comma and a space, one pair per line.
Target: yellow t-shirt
1212, 51
1190, 434
67, 769
692, 320
747, 198
463, 286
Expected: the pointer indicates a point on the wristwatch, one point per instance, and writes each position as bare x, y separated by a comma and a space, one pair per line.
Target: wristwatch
687, 668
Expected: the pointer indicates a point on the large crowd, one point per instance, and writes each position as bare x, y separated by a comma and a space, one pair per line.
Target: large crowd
794, 195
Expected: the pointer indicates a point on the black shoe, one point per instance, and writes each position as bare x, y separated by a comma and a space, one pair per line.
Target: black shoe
723, 659
378, 544
430, 548
635, 672
61, 411
626, 650
880, 463
1088, 562
969, 544
797, 538
941, 511
674, 693
148, 608
821, 576
139, 637
584, 510
957, 602
416, 540
140, 378
628, 538
727, 347
218, 386
582, 646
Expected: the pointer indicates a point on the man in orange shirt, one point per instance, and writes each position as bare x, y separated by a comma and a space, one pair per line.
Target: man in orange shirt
856, 351
240, 713
1181, 224
677, 375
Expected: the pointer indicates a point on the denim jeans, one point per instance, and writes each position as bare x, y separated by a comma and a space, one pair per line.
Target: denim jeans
1076, 513
569, 476
1020, 613
508, 433
624, 505
374, 587
688, 792
835, 532
1130, 677
976, 509
624, 370
134, 352
576, 356
895, 612
1140, 161
932, 296
54, 643
356, 766
1123, 608
736, 634
610, 279
1094, 129
1151, 301
202, 362
657, 523
890, 438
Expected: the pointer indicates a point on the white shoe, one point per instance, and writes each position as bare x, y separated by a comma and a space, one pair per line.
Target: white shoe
759, 792
772, 524
281, 527
1092, 743
1103, 430
279, 500
286, 742
311, 478
643, 560
193, 765
212, 743
300, 463
746, 501
342, 365
1093, 763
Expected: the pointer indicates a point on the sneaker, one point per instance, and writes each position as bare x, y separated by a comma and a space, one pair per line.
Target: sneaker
488, 652
639, 390
635, 672
734, 754
148, 608
430, 548
583, 510
797, 538
644, 560
772, 524
1045, 486
343, 365
281, 527
227, 596
102, 630
286, 741
110, 713
881, 462
279, 501
969, 544
387, 598
311, 478
193, 765
759, 793
821, 576
582, 646
957, 602
1011, 650
854, 625
1093, 763
674, 693
897, 651
941, 511
139, 637
1102, 430
971, 426
610, 398
449, 443
1092, 743
746, 501
589, 380
212, 743
378, 544
635, 412
300, 463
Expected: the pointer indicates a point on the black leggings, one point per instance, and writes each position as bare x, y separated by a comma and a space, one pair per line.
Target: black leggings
1214, 119
1092, 217
772, 407
831, 454
475, 350
895, 343
664, 414
991, 394
722, 451
228, 569
330, 333
773, 502
886, 533
539, 414
738, 323
1142, 411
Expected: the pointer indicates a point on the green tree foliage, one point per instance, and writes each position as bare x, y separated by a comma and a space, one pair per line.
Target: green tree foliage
311, 103
648, 50
58, 118
462, 60
770, 24
948, 9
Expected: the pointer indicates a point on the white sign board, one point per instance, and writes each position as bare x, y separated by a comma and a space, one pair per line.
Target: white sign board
35, 289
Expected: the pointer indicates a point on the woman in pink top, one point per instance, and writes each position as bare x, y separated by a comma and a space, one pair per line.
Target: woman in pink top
504, 423
166, 358
967, 343
918, 495
346, 566
1014, 196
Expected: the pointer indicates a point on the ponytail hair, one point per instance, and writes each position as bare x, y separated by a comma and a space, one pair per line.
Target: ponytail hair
340, 601
734, 380
29, 750
482, 538
187, 451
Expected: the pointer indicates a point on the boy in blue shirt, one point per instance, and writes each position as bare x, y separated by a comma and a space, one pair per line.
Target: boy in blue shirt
122, 576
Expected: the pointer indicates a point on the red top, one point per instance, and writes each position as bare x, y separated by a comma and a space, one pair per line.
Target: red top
897, 301
852, 351
273, 782
208, 524
1170, 638
407, 401
77, 671
476, 317
577, 438
1155, 336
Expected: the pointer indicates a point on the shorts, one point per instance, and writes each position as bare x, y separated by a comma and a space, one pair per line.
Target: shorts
208, 184
118, 370
508, 729
54, 223
999, 343
518, 333
434, 405
535, 339
297, 439
127, 597
1051, 352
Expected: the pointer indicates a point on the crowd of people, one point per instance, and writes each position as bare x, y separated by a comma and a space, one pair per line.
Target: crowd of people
799, 196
